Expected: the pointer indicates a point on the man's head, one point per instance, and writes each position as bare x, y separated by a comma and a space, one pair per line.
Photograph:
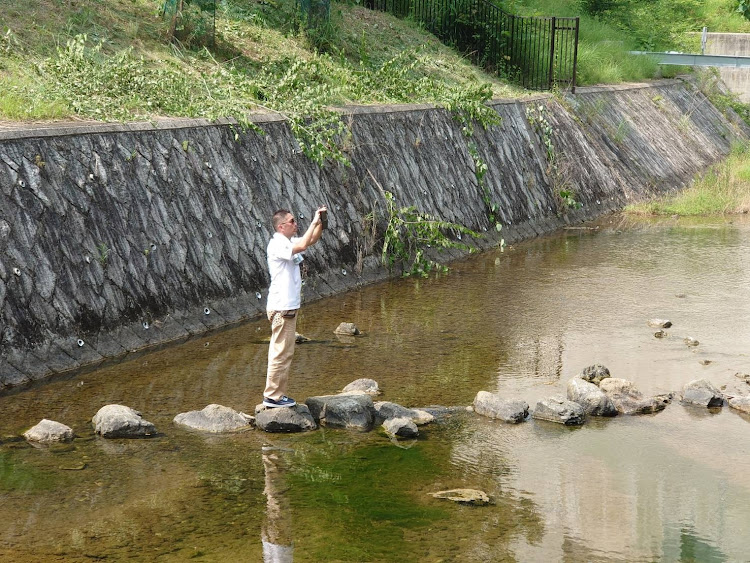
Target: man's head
284, 223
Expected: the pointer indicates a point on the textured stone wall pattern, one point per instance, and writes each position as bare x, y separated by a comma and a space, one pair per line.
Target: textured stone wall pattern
114, 238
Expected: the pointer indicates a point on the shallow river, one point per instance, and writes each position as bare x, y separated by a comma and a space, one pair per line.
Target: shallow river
674, 486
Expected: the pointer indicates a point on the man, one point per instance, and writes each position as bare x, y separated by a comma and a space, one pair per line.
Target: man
284, 296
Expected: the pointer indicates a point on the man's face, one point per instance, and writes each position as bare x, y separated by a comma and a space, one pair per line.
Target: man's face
289, 227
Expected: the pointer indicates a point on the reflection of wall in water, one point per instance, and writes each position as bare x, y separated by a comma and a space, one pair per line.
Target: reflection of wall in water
620, 497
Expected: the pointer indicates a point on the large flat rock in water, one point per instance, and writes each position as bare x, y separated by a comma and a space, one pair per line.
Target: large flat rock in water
48, 431
493, 406
120, 421
590, 397
343, 411
284, 419
214, 418
559, 410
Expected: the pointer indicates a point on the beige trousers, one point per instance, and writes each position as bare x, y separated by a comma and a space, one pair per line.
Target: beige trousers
280, 352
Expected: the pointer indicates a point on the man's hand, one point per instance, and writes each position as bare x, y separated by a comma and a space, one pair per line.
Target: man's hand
316, 219
312, 235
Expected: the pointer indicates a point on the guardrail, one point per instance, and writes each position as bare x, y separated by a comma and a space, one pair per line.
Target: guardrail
687, 59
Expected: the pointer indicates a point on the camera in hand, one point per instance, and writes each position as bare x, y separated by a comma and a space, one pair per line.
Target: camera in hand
324, 219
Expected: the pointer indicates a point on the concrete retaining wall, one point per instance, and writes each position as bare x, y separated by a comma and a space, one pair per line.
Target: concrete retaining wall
114, 238
736, 44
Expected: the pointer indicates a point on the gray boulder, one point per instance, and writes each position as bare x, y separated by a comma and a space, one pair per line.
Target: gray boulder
347, 329
703, 393
363, 385
343, 411
284, 419
119, 421
557, 409
742, 404
494, 406
594, 374
590, 397
214, 418
402, 427
48, 431
385, 410
629, 400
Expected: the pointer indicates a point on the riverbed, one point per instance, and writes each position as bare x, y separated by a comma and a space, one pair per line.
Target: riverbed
673, 486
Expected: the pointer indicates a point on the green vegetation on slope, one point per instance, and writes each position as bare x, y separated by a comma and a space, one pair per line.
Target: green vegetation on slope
96, 59
260, 43
723, 189
104, 60
611, 28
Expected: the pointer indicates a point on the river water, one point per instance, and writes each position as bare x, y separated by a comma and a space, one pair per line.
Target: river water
674, 486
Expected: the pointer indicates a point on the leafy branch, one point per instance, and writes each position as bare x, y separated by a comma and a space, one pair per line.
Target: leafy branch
409, 234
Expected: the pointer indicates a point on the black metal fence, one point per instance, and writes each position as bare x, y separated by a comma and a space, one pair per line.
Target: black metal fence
539, 53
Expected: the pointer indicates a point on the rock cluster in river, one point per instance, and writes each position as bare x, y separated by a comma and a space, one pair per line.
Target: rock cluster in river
594, 392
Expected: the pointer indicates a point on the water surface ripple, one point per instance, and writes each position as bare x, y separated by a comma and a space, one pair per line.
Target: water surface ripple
674, 486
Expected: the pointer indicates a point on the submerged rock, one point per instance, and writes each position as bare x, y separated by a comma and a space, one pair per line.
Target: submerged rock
494, 406
214, 418
703, 393
661, 334
119, 421
402, 427
659, 323
440, 412
343, 411
284, 419
362, 385
590, 397
557, 409
690, 341
385, 410
463, 496
594, 374
629, 400
299, 338
347, 329
48, 431
742, 404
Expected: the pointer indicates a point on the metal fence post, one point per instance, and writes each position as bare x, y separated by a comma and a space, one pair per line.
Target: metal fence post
551, 76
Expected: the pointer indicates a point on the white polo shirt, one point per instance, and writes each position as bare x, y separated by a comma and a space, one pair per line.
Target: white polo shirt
285, 291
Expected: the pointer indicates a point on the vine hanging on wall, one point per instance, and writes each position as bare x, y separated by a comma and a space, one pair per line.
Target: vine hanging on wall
410, 233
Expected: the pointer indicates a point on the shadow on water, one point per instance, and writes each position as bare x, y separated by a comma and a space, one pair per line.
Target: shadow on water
673, 486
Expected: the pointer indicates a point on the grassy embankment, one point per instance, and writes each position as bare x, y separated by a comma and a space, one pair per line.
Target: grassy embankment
126, 69
723, 189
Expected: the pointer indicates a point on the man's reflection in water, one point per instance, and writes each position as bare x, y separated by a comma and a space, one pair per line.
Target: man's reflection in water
277, 529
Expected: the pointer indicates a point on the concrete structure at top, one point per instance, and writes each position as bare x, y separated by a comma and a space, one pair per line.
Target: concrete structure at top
732, 44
